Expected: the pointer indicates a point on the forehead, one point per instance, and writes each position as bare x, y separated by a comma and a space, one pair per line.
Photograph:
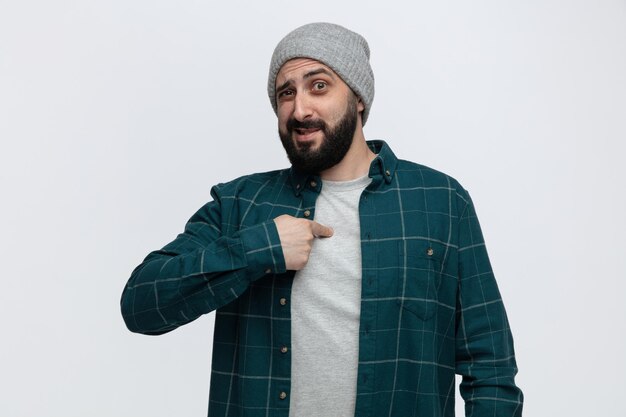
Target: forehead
296, 68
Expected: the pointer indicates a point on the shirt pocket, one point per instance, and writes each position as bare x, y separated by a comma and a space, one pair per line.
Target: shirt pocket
419, 276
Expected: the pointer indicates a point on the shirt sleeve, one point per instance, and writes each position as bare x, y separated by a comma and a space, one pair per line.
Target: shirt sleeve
198, 272
484, 345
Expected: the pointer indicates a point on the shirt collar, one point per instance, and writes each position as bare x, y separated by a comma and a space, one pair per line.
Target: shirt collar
382, 168
385, 163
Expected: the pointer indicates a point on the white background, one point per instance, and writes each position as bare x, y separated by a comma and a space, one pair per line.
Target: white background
116, 118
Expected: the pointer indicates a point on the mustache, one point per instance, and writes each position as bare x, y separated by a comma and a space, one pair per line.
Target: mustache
307, 124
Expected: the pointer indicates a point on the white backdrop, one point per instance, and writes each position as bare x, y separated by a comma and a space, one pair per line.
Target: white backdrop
117, 116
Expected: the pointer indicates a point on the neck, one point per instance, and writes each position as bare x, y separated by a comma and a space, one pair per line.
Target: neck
355, 164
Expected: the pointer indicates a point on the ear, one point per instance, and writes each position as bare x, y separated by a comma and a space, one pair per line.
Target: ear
359, 105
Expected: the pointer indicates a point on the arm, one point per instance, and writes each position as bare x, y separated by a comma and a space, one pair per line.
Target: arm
200, 271
484, 344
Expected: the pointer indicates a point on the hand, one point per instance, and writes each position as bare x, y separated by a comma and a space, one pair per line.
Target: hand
296, 238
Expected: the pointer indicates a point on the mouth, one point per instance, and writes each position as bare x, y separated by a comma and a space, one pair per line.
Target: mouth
305, 135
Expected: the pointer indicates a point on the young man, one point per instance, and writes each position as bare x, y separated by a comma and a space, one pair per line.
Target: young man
368, 310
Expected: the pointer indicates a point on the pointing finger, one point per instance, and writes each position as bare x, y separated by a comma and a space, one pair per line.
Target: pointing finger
319, 230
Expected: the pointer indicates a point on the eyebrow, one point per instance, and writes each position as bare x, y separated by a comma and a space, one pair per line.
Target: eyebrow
282, 87
304, 77
318, 71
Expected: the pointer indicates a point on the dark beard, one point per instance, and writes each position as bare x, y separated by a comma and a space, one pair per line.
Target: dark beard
331, 151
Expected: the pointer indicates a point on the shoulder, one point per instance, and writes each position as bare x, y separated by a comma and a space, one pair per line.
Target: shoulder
411, 174
250, 184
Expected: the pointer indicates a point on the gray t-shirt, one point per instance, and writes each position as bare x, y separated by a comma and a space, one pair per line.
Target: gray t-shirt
326, 307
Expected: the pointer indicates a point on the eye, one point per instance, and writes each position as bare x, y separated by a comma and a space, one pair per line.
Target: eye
319, 85
285, 93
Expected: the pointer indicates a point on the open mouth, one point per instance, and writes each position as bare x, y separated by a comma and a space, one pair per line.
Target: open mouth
304, 135
305, 132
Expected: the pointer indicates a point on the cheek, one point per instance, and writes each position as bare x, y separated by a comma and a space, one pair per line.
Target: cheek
283, 116
282, 125
337, 116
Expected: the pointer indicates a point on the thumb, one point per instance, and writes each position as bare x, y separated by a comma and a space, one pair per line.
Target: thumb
319, 230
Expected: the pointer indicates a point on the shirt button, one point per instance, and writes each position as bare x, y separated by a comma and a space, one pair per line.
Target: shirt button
307, 213
313, 184
282, 395
283, 301
268, 271
297, 186
387, 173
284, 349
430, 252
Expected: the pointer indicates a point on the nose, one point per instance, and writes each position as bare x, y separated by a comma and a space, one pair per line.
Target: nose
302, 107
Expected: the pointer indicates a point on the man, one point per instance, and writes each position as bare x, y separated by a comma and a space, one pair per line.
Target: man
368, 310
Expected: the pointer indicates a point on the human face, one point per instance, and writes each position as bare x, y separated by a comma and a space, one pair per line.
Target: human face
317, 115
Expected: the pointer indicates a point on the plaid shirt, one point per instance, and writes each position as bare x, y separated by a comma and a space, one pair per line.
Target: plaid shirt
430, 305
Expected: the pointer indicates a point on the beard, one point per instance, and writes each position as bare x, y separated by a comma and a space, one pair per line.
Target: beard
334, 146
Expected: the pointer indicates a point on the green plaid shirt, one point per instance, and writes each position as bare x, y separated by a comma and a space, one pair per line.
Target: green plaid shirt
430, 305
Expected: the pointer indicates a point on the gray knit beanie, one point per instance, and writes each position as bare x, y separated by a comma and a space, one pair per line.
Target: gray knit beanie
342, 50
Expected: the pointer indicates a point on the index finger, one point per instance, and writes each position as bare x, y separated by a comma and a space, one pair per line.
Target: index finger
319, 230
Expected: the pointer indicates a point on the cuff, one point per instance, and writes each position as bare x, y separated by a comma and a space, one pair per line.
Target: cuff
264, 254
